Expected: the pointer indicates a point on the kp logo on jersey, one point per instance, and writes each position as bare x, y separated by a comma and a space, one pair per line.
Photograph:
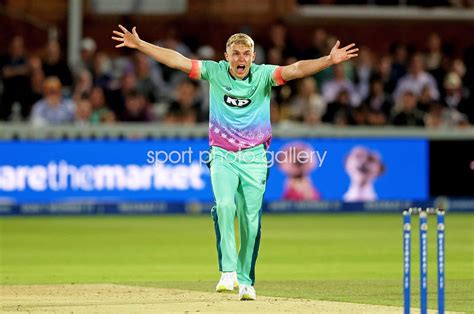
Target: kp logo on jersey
236, 102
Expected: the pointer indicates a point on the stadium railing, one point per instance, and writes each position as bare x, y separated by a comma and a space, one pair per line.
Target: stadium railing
24, 131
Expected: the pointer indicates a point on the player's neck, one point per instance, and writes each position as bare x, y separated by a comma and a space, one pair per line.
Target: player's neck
237, 78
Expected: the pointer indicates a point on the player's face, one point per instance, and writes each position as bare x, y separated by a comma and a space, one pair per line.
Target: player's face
240, 58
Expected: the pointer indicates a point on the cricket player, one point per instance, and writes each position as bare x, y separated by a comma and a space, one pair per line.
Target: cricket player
239, 134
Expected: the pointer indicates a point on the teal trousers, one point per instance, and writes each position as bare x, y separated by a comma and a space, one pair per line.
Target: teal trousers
238, 182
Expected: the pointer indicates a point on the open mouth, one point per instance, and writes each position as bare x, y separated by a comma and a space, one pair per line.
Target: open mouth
240, 68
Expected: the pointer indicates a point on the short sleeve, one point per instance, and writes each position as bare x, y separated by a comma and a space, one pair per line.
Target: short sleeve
277, 79
203, 69
273, 73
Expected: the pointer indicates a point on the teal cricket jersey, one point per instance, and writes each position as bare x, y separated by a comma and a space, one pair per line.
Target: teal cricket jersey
239, 110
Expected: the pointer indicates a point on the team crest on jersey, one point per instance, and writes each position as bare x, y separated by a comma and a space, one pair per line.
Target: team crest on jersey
236, 102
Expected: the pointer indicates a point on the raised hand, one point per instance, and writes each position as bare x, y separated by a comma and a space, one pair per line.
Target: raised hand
126, 39
339, 55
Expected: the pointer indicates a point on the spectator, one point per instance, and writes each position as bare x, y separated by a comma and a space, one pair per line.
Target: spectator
14, 72
35, 63
278, 39
282, 94
82, 85
340, 109
440, 72
136, 108
409, 115
205, 53
416, 79
36, 87
102, 71
52, 109
456, 97
319, 46
399, 53
425, 99
275, 56
332, 88
459, 67
145, 84
379, 101
468, 78
54, 65
383, 71
274, 113
434, 54
83, 112
441, 117
172, 41
116, 97
185, 108
308, 105
364, 69
86, 62
375, 117
99, 113
359, 115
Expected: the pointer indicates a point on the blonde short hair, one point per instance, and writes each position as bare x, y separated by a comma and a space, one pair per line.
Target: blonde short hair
240, 39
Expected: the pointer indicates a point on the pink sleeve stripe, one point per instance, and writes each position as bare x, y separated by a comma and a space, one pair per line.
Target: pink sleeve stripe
277, 76
194, 74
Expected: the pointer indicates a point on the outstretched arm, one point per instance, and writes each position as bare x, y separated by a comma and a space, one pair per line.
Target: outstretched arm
168, 57
305, 68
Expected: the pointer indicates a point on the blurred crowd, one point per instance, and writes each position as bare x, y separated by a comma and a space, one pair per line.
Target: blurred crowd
431, 86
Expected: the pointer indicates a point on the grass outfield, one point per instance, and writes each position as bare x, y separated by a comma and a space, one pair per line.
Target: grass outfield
340, 257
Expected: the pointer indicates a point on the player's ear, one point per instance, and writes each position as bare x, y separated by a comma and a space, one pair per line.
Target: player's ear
226, 56
254, 56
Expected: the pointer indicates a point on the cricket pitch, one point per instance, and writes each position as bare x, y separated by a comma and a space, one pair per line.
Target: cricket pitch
111, 298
